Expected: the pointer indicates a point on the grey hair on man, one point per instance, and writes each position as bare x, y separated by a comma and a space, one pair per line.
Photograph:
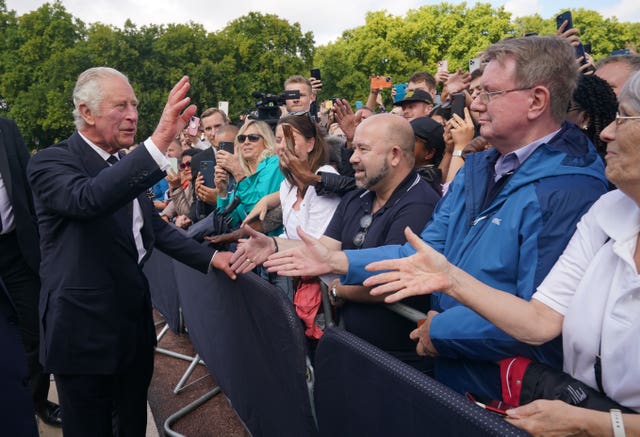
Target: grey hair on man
89, 92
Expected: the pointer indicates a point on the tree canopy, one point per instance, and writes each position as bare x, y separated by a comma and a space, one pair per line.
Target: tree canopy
43, 51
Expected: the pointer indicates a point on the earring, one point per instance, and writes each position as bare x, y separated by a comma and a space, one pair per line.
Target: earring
585, 127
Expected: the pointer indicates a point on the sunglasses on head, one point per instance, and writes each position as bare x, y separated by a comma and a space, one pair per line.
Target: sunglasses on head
306, 114
251, 137
186, 164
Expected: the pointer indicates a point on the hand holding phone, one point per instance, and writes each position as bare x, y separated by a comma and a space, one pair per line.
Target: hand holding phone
560, 20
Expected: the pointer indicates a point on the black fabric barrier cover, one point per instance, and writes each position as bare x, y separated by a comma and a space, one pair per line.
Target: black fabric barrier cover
251, 339
163, 287
361, 390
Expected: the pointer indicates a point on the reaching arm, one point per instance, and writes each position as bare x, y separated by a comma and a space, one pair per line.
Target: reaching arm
428, 271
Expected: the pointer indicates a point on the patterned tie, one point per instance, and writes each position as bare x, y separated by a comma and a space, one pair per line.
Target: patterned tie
112, 160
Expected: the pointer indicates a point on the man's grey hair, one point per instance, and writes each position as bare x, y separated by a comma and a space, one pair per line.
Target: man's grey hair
630, 93
88, 91
541, 60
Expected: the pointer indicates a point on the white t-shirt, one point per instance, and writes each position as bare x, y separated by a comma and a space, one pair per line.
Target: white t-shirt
314, 212
596, 286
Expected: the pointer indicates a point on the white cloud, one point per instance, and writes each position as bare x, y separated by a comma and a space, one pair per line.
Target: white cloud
522, 8
625, 10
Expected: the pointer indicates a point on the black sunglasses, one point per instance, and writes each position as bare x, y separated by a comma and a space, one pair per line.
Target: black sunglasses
365, 222
186, 164
252, 138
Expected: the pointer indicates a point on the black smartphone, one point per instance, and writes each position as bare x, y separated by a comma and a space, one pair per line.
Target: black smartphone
566, 16
493, 405
227, 146
206, 170
315, 73
458, 102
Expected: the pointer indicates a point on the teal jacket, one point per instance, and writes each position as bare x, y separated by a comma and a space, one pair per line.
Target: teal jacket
265, 180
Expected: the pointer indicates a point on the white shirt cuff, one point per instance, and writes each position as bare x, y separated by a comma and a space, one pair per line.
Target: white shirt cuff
156, 154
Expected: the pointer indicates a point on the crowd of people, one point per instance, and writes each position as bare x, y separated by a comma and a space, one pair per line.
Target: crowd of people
487, 200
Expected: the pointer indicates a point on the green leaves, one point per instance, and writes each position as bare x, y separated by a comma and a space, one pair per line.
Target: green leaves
42, 53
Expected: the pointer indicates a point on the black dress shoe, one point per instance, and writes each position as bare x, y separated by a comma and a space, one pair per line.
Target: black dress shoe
50, 413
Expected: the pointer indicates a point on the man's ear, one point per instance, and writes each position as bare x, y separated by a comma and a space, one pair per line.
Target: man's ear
396, 155
86, 114
540, 100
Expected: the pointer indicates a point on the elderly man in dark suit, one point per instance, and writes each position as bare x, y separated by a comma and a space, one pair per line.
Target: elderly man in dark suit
97, 228
20, 257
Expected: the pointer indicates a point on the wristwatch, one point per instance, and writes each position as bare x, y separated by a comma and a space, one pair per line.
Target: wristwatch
457, 153
333, 296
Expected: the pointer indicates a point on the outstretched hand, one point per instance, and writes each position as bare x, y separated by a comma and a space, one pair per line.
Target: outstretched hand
424, 272
221, 262
251, 251
176, 114
310, 259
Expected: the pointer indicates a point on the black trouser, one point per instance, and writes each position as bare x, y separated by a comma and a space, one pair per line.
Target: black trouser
23, 285
107, 405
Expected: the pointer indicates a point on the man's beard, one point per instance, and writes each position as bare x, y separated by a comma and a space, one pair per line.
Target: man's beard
367, 182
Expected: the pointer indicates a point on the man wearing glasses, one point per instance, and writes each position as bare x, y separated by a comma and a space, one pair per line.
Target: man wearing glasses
507, 216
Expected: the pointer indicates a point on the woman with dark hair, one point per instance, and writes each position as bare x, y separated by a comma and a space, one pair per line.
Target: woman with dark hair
593, 107
301, 205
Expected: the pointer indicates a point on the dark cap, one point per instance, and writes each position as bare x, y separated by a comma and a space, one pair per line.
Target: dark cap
416, 96
430, 131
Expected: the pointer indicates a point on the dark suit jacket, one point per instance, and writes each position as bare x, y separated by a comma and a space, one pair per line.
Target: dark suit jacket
95, 307
13, 164
206, 209
16, 406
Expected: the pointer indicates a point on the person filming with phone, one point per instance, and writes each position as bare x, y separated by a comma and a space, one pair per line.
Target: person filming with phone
590, 297
254, 167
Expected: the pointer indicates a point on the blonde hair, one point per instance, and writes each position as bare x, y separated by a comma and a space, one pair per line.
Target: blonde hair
267, 136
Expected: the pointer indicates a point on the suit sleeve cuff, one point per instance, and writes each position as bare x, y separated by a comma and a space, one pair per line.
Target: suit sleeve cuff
157, 156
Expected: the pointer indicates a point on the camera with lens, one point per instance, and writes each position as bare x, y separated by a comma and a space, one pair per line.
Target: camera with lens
268, 105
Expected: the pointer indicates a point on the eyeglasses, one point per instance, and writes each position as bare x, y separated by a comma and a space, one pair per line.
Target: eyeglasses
622, 118
486, 96
253, 138
186, 164
365, 222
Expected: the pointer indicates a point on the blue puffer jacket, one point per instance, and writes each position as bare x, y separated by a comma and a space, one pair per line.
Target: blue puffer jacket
511, 245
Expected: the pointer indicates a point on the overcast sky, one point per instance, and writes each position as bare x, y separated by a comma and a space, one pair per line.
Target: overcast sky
326, 19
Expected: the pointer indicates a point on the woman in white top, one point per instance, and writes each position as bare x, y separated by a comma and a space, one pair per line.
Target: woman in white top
591, 296
301, 206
